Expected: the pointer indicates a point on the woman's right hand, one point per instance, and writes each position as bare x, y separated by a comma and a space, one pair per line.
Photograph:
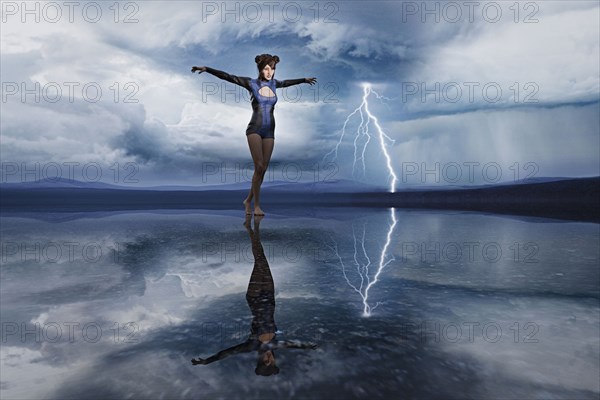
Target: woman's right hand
199, 69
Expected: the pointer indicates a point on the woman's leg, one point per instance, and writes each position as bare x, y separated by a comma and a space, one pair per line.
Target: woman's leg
267, 145
267, 148
255, 145
258, 146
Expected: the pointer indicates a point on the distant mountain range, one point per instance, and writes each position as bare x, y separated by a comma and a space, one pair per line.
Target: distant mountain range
565, 198
333, 186
339, 185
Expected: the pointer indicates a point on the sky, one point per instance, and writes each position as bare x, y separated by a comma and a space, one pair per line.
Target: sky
459, 93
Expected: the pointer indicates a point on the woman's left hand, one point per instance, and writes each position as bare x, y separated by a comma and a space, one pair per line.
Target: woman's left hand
199, 69
311, 81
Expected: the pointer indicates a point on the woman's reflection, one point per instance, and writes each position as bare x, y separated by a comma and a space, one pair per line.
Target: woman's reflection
261, 300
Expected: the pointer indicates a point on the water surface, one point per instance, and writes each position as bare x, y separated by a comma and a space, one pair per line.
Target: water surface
378, 302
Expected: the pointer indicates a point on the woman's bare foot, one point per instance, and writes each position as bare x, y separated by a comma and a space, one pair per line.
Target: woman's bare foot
248, 207
258, 211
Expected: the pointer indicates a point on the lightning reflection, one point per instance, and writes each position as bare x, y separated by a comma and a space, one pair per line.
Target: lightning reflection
363, 262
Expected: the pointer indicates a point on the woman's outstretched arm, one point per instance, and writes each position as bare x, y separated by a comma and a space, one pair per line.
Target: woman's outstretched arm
240, 348
296, 344
243, 81
290, 82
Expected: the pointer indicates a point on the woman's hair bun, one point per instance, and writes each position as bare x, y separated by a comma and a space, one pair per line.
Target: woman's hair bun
262, 60
264, 57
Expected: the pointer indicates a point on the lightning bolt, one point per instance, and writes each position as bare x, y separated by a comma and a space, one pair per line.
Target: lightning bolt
363, 132
362, 266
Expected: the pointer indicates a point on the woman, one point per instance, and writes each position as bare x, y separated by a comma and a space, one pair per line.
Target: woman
261, 129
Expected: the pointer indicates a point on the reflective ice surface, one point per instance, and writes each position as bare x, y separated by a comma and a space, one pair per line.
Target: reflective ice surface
367, 304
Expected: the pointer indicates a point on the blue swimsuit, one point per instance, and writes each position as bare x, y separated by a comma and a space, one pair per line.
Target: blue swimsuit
263, 120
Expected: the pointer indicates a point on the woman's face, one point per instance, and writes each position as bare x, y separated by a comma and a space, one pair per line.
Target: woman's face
268, 72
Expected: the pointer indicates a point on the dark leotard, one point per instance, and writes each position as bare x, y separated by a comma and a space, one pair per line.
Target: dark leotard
263, 120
